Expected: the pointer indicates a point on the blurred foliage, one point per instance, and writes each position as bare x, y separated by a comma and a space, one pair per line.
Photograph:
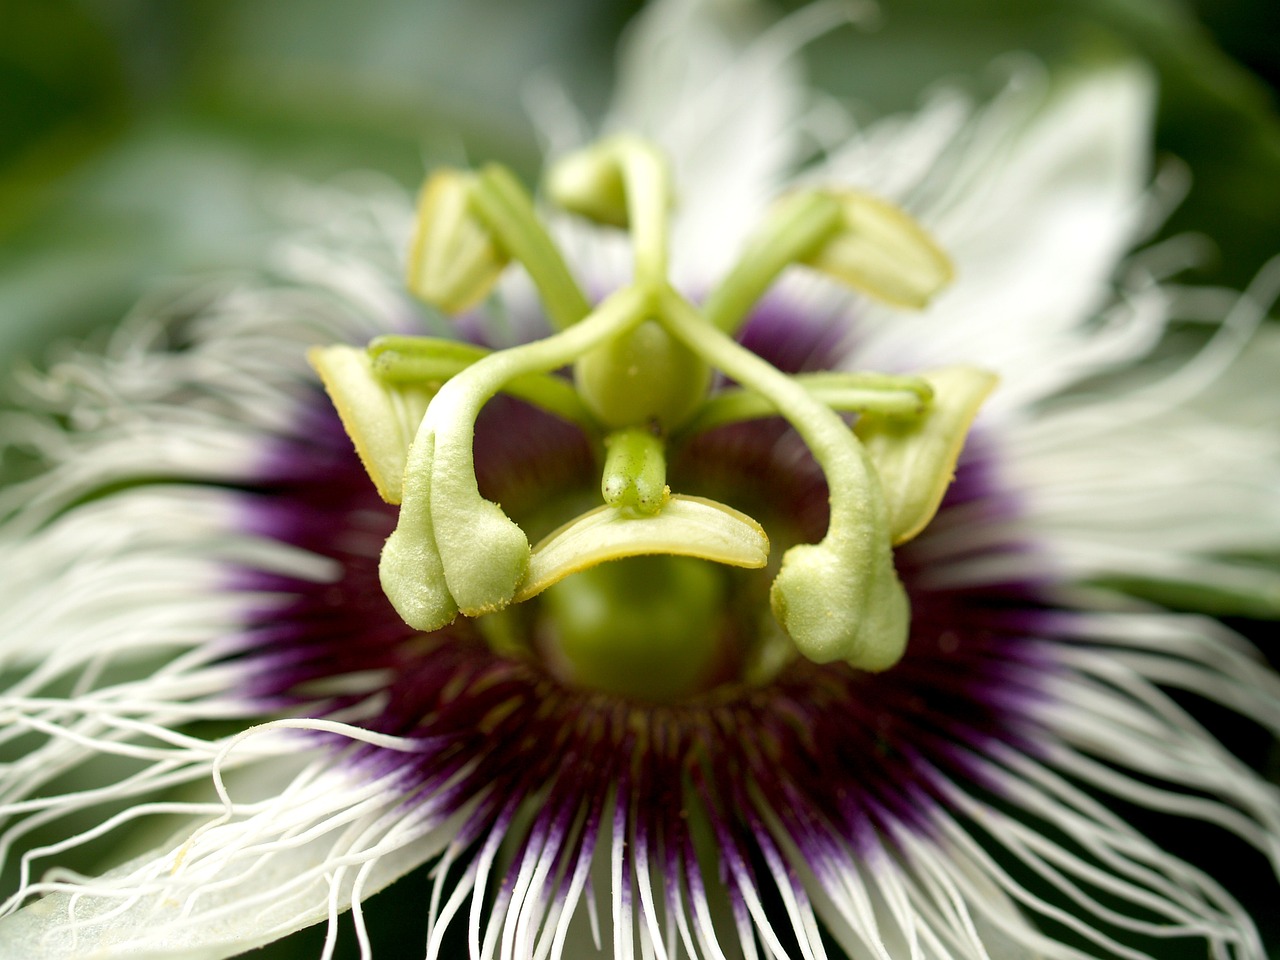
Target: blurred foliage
143, 138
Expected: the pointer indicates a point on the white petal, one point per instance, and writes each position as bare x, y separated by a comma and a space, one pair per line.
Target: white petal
1160, 481
132, 574
271, 868
1037, 199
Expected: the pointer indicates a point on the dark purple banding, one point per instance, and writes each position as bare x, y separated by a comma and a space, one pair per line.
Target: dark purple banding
837, 757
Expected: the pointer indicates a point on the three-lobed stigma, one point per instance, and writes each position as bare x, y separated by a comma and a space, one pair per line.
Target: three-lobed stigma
642, 364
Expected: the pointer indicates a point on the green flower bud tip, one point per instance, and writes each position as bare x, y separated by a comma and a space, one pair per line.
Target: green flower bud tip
834, 608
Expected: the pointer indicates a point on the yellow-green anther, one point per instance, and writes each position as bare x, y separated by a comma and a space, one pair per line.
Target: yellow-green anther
797, 227
885, 395
410, 569
635, 471
504, 205
381, 418
685, 526
839, 599
483, 553
881, 251
623, 181
454, 260
427, 361
916, 459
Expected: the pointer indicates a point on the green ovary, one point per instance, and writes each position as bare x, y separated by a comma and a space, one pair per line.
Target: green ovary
641, 378
650, 628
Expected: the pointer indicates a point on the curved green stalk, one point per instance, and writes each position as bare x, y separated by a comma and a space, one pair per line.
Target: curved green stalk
416, 360
794, 231
484, 553
502, 202
839, 599
647, 181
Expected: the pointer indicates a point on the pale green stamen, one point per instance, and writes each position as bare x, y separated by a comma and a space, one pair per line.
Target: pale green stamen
454, 259
505, 205
916, 458
648, 183
623, 182
642, 370
839, 599
881, 251
380, 417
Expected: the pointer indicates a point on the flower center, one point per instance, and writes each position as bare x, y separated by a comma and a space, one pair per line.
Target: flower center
629, 603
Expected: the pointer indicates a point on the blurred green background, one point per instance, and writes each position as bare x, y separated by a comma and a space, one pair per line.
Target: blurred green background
144, 139
141, 139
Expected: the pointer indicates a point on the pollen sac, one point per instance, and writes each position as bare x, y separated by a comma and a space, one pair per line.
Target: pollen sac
883, 252
454, 260
381, 418
916, 457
